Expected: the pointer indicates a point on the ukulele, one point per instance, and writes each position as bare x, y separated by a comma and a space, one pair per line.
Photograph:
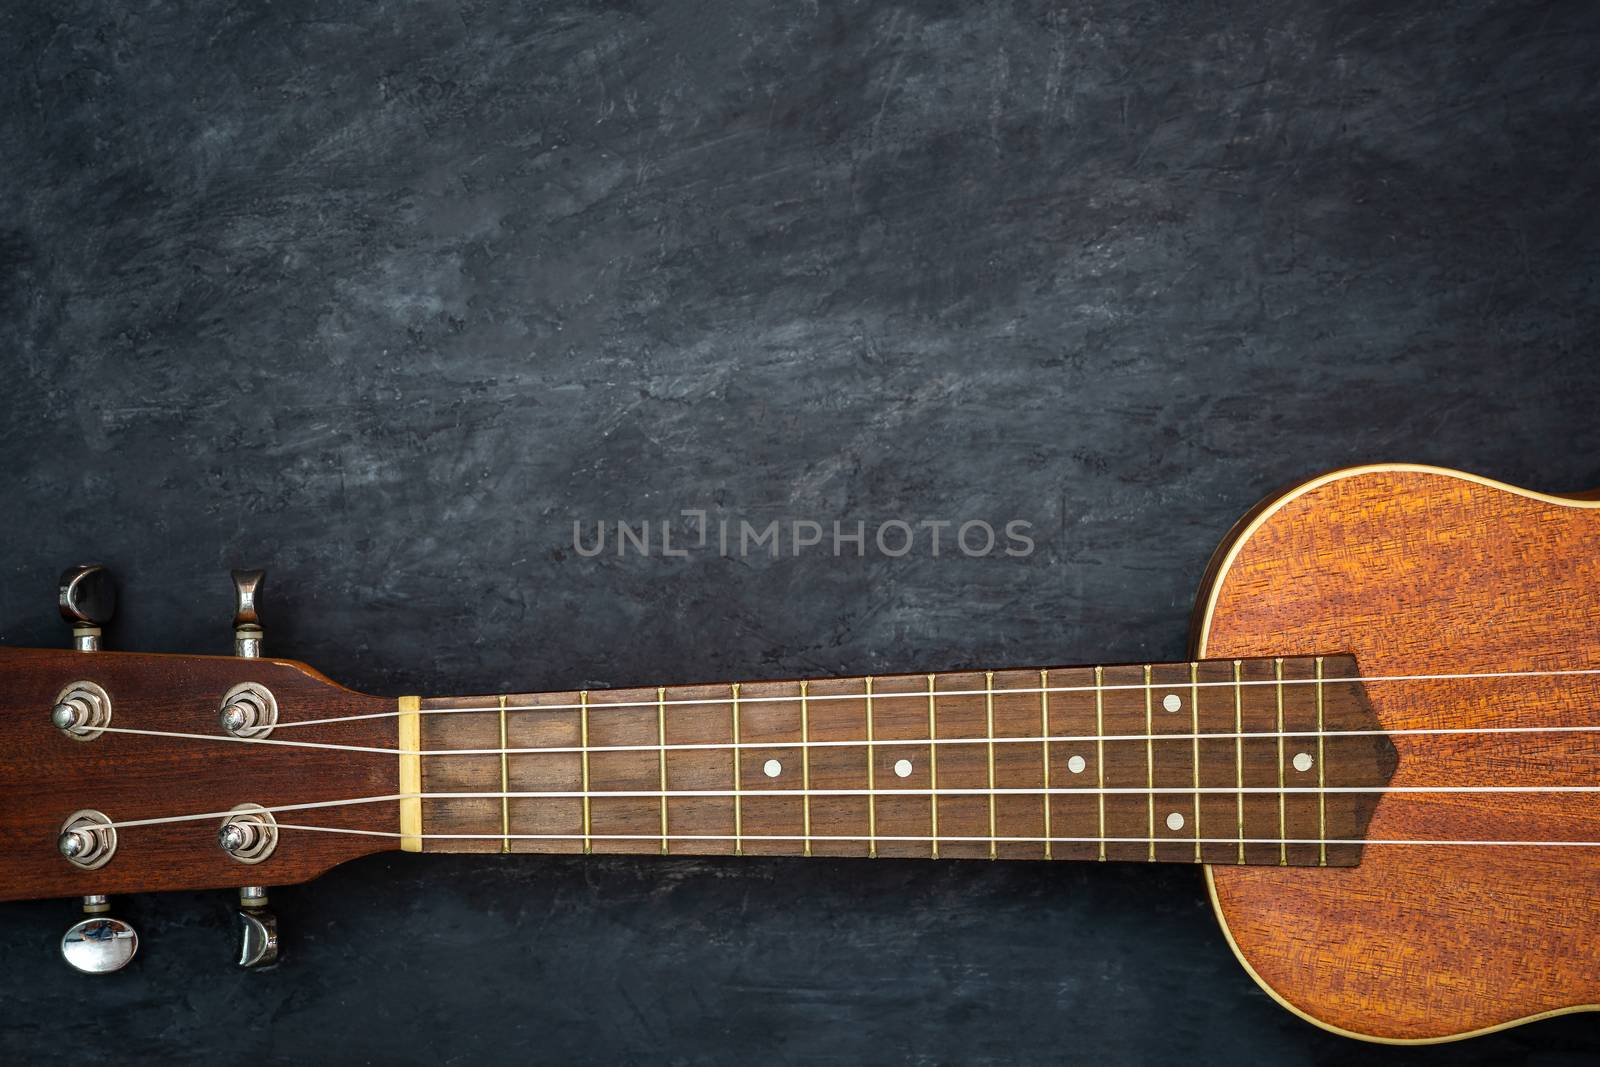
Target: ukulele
1383, 756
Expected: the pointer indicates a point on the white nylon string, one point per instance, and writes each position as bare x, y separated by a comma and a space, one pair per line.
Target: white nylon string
880, 838
748, 794
912, 742
922, 694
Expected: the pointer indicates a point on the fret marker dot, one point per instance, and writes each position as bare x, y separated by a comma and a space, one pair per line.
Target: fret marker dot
1172, 702
1175, 821
772, 768
1076, 764
1302, 762
902, 768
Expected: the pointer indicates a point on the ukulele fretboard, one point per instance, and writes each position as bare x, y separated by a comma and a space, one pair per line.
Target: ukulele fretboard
1260, 761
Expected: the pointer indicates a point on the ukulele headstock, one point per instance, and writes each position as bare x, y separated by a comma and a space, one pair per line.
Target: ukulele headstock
130, 772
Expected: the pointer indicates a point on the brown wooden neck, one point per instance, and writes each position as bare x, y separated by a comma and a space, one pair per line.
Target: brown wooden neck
1218, 761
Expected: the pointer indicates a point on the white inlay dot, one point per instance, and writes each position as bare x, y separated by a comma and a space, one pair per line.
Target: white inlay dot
772, 768
1302, 762
1076, 764
1172, 702
902, 768
1175, 821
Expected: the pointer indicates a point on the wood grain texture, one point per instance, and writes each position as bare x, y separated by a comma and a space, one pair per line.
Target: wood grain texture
46, 776
1425, 571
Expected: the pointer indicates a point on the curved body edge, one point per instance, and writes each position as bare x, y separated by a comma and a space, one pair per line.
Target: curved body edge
1424, 570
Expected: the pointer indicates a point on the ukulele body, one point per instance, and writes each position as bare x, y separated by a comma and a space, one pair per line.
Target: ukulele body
1422, 571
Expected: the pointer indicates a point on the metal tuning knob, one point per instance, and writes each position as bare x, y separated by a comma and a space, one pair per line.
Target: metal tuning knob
98, 944
258, 928
247, 632
87, 598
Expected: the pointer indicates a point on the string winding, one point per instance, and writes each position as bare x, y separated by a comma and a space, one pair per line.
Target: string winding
879, 742
947, 840
747, 794
879, 696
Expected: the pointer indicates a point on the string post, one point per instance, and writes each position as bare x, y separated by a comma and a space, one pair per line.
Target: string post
249, 834
248, 710
88, 839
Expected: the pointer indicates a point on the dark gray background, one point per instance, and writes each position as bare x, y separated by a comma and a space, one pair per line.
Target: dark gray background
384, 296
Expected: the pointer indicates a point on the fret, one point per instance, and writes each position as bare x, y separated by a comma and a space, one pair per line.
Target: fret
872, 788
1044, 756
1100, 752
661, 738
505, 785
988, 707
805, 764
583, 721
1283, 822
1238, 748
1322, 785
1149, 765
906, 809
933, 769
738, 807
772, 769
1173, 712
1194, 728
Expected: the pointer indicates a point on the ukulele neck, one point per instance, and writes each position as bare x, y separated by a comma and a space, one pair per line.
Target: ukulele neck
1260, 761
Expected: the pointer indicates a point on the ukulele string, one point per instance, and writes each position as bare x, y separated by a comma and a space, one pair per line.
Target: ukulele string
594, 705
913, 742
672, 794
943, 839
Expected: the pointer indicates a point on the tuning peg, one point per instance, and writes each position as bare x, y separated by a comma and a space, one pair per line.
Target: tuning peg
98, 944
87, 598
258, 929
247, 632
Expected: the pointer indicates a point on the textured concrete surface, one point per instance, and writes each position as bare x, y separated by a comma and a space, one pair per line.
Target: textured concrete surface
385, 296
